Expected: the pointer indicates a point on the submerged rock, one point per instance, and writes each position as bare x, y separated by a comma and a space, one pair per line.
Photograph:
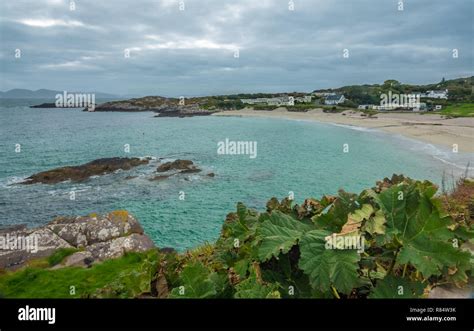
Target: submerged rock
175, 165
183, 165
97, 237
85, 171
160, 177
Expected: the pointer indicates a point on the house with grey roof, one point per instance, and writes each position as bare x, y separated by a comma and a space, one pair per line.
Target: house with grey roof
334, 99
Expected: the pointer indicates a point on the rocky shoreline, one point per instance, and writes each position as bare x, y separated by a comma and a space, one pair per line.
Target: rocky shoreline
89, 239
86, 239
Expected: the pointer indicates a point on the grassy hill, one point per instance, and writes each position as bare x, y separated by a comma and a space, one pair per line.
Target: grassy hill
460, 90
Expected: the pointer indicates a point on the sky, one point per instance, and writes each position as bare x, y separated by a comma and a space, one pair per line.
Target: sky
200, 47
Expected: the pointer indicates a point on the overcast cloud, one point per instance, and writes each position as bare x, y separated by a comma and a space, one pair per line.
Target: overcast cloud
186, 52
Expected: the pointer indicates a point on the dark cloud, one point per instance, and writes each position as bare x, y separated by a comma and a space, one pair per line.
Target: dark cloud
191, 52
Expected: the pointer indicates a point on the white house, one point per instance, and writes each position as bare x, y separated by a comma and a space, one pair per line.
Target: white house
334, 99
305, 99
437, 94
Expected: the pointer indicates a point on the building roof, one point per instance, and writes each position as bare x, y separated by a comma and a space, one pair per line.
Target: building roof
334, 97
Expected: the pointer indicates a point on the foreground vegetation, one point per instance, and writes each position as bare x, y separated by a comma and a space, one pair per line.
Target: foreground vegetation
414, 240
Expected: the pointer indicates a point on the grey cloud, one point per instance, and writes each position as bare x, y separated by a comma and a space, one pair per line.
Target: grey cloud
190, 52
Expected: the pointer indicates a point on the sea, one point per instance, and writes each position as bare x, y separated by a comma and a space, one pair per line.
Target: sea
299, 158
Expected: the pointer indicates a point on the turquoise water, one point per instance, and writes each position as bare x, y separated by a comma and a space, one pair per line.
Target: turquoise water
304, 157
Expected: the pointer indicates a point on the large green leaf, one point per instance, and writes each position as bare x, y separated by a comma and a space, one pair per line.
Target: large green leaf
278, 233
327, 267
251, 288
414, 219
356, 219
195, 283
392, 287
336, 215
376, 224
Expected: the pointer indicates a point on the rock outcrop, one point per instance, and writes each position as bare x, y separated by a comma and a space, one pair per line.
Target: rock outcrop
46, 105
185, 166
176, 165
95, 237
85, 171
181, 111
165, 107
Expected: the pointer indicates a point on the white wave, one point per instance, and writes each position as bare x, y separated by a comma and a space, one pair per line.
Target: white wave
465, 167
354, 127
13, 180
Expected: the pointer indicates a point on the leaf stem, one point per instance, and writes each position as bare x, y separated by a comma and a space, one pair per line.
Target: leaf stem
393, 262
335, 292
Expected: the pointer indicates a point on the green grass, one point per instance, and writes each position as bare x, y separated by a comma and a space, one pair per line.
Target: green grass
58, 256
127, 276
459, 110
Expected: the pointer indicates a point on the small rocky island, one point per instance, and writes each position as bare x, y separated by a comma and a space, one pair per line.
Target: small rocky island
164, 107
105, 166
85, 171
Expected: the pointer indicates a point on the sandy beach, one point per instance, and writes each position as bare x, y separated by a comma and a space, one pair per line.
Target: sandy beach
429, 128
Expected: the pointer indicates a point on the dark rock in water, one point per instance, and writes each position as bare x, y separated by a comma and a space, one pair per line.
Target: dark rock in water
47, 105
177, 165
131, 177
85, 171
99, 237
190, 171
211, 174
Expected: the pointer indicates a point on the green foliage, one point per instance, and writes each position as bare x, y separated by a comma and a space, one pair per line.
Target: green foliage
59, 255
328, 267
252, 288
395, 240
195, 283
459, 110
113, 278
459, 103
279, 233
392, 287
